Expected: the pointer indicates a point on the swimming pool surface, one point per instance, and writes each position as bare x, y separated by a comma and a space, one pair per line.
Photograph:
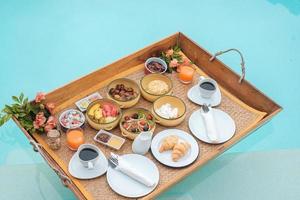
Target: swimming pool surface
46, 44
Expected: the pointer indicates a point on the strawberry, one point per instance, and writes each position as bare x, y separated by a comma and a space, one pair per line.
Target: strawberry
149, 117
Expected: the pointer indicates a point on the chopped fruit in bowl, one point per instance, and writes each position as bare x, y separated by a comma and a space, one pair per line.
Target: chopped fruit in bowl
103, 114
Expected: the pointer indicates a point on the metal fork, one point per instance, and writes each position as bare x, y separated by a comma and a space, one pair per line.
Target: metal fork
210, 126
129, 171
205, 108
113, 160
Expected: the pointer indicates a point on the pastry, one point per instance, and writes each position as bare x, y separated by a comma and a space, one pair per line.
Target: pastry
180, 149
168, 143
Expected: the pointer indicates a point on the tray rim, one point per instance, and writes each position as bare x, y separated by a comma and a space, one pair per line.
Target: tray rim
277, 110
203, 161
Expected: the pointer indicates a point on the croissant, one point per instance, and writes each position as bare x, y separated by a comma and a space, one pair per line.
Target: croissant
168, 143
180, 149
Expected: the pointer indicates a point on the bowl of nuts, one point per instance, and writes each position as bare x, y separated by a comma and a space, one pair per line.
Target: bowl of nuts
125, 92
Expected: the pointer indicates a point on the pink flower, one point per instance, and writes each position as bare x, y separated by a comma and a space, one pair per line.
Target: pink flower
35, 125
186, 62
40, 96
169, 52
51, 123
174, 63
50, 107
39, 121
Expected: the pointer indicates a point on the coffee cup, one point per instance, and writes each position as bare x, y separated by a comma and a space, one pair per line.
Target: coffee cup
88, 155
207, 87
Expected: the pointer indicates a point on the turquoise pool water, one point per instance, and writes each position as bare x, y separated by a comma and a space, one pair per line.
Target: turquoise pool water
46, 44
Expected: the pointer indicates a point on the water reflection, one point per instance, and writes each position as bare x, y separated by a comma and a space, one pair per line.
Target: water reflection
257, 175
35, 182
292, 5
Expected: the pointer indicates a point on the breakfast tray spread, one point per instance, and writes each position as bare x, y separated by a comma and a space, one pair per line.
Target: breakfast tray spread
244, 103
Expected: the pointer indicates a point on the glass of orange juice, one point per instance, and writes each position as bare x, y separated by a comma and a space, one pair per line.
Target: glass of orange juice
75, 138
186, 74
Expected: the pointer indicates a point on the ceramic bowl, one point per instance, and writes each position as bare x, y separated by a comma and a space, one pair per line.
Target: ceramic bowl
151, 77
105, 126
155, 59
127, 83
175, 102
67, 116
129, 112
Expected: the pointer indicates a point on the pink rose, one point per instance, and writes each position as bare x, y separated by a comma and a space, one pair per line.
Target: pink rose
39, 121
35, 125
169, 52
186, 62
174, 63
40, 96
51, 123
50, 107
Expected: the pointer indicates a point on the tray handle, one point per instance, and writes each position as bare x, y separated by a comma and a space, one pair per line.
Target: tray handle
242, 61
38, 148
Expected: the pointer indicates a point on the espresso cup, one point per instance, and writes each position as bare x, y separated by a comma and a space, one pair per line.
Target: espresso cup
88, 155
207, 87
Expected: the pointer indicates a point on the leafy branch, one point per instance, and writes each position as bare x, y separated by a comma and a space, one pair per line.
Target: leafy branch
21, 109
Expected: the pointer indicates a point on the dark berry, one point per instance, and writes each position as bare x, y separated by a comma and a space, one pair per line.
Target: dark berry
135, 116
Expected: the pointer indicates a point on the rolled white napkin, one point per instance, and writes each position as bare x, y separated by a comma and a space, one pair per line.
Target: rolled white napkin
129, 170
210, 126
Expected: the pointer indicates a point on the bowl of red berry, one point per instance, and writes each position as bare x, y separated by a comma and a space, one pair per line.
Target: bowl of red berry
136, 120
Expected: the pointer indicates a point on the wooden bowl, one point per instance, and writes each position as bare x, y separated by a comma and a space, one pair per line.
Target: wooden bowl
105, 126
127, 83
175, 102
151, 77
129, 112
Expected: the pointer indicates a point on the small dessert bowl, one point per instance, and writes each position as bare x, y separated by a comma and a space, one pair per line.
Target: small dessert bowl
148, 79
71, 119
155, 65
103, 114
136, 120
127, 91
175, 102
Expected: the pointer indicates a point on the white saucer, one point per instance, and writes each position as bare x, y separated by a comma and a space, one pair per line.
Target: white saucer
165, 157
224, 124
77, 170
194, 95
128, 187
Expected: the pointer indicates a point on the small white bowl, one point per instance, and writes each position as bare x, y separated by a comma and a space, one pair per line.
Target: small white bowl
66, 112
155, 59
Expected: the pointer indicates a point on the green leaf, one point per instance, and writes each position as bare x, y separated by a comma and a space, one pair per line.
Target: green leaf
25, 102
8, 107
21, 97
16, 99
22, 114
7, 110
4, 119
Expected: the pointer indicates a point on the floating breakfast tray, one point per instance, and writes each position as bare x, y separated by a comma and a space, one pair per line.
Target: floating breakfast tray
244, 103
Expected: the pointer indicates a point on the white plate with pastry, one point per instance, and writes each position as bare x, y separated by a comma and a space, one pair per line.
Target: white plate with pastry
174, 148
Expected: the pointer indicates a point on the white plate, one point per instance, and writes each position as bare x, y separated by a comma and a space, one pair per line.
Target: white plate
224, 123
77, 170
128, 187
165, 157
194, 95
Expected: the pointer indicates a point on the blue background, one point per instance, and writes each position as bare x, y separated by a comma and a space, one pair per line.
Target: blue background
46, 44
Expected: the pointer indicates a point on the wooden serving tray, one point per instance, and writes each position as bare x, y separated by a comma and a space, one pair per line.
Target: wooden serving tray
249, 108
